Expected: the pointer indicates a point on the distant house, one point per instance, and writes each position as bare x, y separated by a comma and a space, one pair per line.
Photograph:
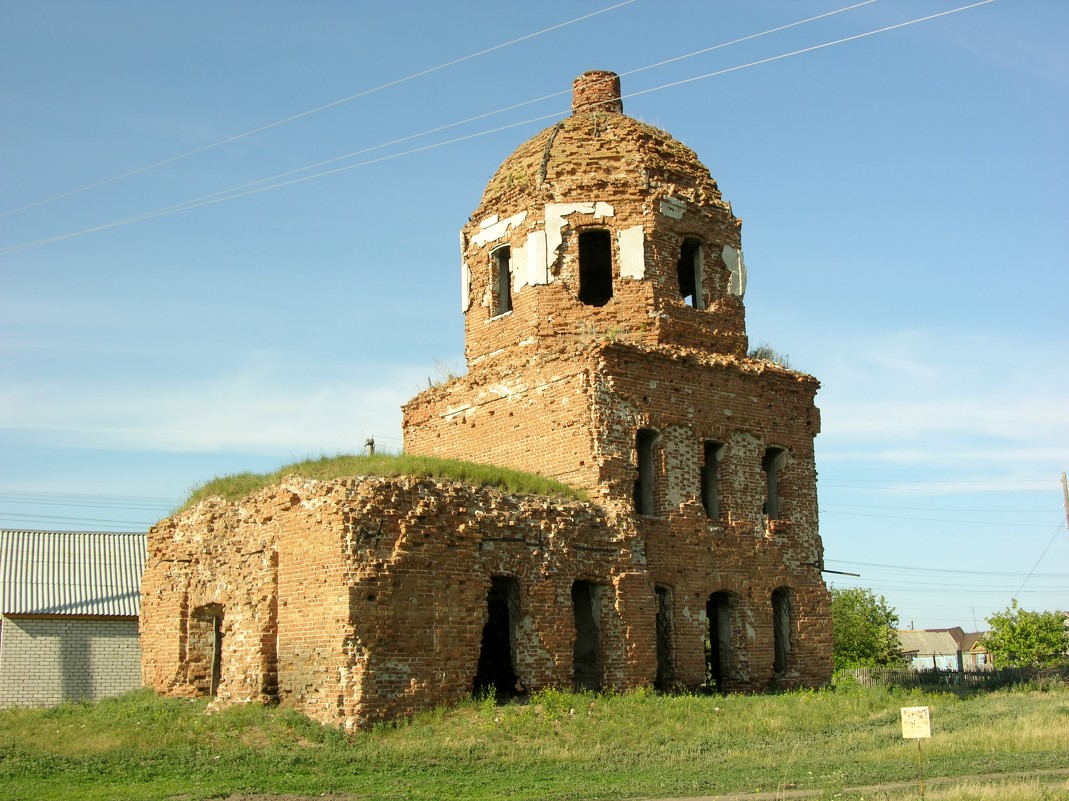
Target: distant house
69, 603
943, 649
974, 653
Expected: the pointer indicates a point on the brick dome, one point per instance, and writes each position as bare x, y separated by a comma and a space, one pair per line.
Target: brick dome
598, 148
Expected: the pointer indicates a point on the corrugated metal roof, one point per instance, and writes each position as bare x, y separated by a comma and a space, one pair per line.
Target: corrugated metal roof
927, 643
71, 572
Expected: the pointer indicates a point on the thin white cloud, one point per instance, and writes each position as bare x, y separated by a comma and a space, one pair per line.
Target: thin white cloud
943, 400
266, 407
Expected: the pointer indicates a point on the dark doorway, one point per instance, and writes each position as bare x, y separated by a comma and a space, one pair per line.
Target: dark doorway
781, 627
665, 660
204, 649
495, 670
587, 656
719, 649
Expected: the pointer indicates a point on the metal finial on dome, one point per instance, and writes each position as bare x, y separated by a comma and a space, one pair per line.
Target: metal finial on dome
597, 90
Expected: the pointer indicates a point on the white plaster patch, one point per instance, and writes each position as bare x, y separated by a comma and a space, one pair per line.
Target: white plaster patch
537, 266
491, 231
456, 411
518, 267
505, 391
555, 222
736, 265
632, 252
673, 207
465, 286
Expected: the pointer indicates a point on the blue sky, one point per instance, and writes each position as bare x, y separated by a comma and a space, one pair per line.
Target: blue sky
906, 225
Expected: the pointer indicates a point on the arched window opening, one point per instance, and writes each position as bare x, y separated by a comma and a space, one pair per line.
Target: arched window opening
665, 647
645, 496
721, 611
502, 280
713, 453
497, 652
588, 662
595, 267
691, 273
772, 465
781, 626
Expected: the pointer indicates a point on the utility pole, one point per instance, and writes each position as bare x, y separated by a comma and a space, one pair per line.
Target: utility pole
1065, 498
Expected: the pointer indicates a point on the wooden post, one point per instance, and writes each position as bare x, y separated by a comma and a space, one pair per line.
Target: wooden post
920, 766
1065, 499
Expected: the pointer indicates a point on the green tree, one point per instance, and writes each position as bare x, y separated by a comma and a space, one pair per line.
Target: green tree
1019, 638
864, 629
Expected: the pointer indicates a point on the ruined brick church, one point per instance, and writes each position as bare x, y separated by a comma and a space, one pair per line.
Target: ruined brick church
602, 284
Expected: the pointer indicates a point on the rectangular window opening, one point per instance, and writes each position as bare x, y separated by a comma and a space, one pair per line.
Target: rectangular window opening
595, 267
691, 273
502, 279
644, 485
772, 465
710, 478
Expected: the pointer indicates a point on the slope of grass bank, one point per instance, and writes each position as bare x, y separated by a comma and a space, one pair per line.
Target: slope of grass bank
559, 746
236, 487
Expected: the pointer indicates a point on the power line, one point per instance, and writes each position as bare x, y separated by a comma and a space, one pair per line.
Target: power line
309, 112
938, 509
811, 49
246, 189
58, 518
937, 520
1040, 559
234, 194
915, 569
48, 494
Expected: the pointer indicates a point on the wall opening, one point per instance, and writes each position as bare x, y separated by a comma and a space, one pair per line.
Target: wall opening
204, 649
497, 654
691, 273
587, 656
781, 627
502, 280
595, 267
772, 465
645, 496
713, 453
721, 611
666, 672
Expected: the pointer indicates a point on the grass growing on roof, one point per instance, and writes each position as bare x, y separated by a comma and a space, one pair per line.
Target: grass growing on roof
236, 487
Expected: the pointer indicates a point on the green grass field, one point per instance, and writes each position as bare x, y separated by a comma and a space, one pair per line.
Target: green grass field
558, 746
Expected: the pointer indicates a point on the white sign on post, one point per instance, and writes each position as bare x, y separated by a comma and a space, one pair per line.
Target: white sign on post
916, 724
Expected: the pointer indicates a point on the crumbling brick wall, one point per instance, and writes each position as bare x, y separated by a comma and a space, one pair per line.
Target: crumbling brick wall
216, 560
381, 587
